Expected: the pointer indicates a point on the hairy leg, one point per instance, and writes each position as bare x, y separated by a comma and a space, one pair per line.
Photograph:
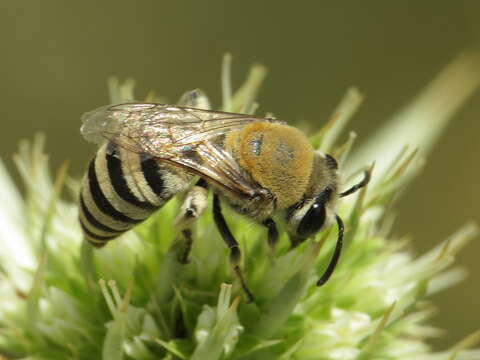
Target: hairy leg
192, 208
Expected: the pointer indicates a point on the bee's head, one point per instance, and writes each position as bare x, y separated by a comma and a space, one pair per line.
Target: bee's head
310, 218
317, 209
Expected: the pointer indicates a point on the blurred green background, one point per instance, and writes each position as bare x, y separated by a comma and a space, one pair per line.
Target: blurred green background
57, 56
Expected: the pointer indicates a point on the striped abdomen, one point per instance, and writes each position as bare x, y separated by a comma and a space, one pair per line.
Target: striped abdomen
121, 189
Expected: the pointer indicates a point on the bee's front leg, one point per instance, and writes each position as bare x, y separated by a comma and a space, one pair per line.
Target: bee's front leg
297, 240
193, 206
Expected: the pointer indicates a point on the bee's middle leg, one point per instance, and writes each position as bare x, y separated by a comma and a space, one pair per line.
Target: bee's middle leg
235, 254
193, 206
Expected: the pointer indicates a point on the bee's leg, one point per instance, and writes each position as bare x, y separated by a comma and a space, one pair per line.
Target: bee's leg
296, 240
235, 254
272, 233
191, 209
187, 235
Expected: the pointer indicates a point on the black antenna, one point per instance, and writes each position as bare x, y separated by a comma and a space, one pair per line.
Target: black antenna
336, 254
338, 247
365, 180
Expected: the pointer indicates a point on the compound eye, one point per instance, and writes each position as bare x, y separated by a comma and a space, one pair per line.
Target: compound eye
313, 220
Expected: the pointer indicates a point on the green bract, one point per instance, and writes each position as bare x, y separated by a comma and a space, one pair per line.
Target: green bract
61, 299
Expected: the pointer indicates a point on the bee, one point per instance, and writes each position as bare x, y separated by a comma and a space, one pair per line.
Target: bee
262, 168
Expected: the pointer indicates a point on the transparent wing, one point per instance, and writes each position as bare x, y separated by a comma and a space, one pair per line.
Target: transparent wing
183, 136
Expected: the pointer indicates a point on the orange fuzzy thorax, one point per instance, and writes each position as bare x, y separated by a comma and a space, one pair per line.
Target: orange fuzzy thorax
278, 157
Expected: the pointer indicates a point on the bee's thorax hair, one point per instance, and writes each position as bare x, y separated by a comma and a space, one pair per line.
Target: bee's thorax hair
278, 157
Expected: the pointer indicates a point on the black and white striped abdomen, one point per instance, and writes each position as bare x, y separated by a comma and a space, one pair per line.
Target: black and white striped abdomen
121, 189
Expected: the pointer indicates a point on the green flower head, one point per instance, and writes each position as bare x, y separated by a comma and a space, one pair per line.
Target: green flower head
62, 299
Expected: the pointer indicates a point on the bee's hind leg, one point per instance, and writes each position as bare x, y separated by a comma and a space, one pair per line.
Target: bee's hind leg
188, 241
193, 206
235, 254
